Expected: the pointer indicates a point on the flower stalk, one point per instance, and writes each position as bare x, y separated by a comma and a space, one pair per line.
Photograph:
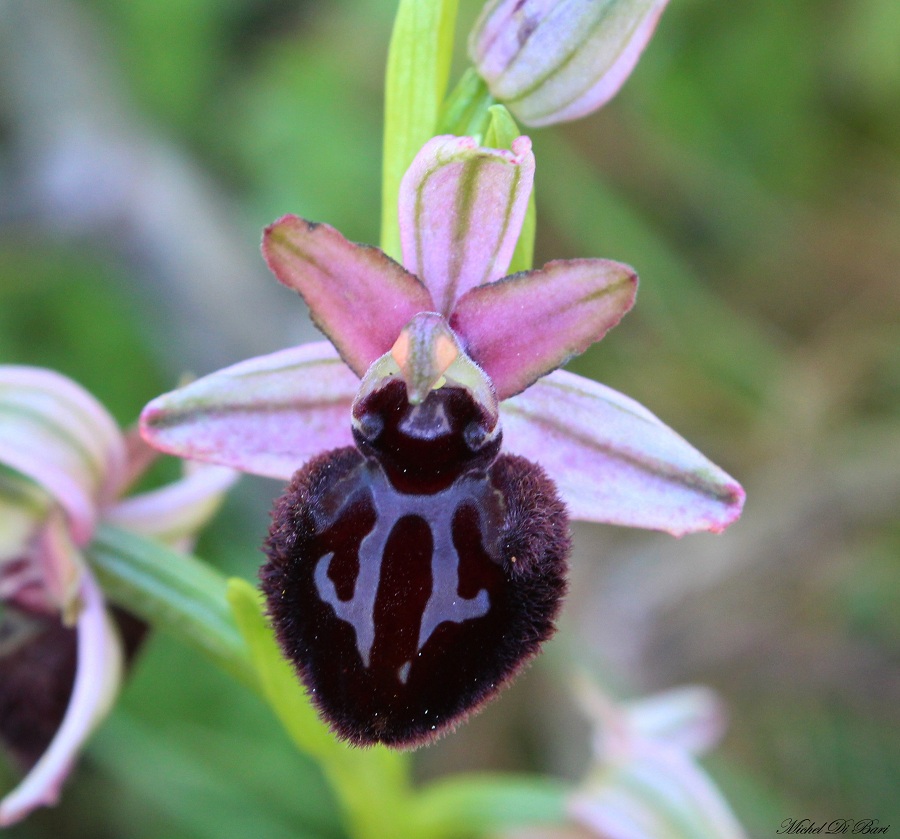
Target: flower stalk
418, 68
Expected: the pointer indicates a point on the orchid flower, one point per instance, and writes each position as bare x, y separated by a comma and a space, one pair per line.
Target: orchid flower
646, 783
550, 61
64, 466
413, 568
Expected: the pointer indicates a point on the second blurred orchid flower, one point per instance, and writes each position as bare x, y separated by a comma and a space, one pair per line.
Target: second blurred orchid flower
646, 782
64, 466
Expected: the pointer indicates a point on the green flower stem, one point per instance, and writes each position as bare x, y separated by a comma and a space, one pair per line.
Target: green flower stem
173, 591
372, 784
418, 67
501, 132
465, 113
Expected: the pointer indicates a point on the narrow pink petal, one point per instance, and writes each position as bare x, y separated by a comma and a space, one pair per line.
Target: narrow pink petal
139, 456
178, 510
266, 416
358, 296
96, 683
615, 462
461, 210
522, 327
61, 565
55, 433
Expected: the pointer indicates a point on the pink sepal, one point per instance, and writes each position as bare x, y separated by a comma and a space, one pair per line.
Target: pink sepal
615, 462
266, 416
522, 327
357, 295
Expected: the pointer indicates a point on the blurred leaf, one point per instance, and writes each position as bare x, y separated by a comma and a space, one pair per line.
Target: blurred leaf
695, 322
187, 788
471, 805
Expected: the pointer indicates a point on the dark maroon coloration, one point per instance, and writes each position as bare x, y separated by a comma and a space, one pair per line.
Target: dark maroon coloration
404, 611
38, 656
37, 669
424, 449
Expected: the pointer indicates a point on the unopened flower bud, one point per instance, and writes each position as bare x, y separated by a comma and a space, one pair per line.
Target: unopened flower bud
555, 60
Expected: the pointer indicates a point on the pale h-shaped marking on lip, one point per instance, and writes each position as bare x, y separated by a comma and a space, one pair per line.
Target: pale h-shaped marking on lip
437, 511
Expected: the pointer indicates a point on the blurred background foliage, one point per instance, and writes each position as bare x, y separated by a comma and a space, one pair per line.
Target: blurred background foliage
750, 171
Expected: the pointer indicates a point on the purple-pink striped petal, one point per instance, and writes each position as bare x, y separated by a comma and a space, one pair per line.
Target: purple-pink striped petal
555, 60
615, 462
176, 511
357, 295
522, 327
55, 433
461, 210
266, 416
